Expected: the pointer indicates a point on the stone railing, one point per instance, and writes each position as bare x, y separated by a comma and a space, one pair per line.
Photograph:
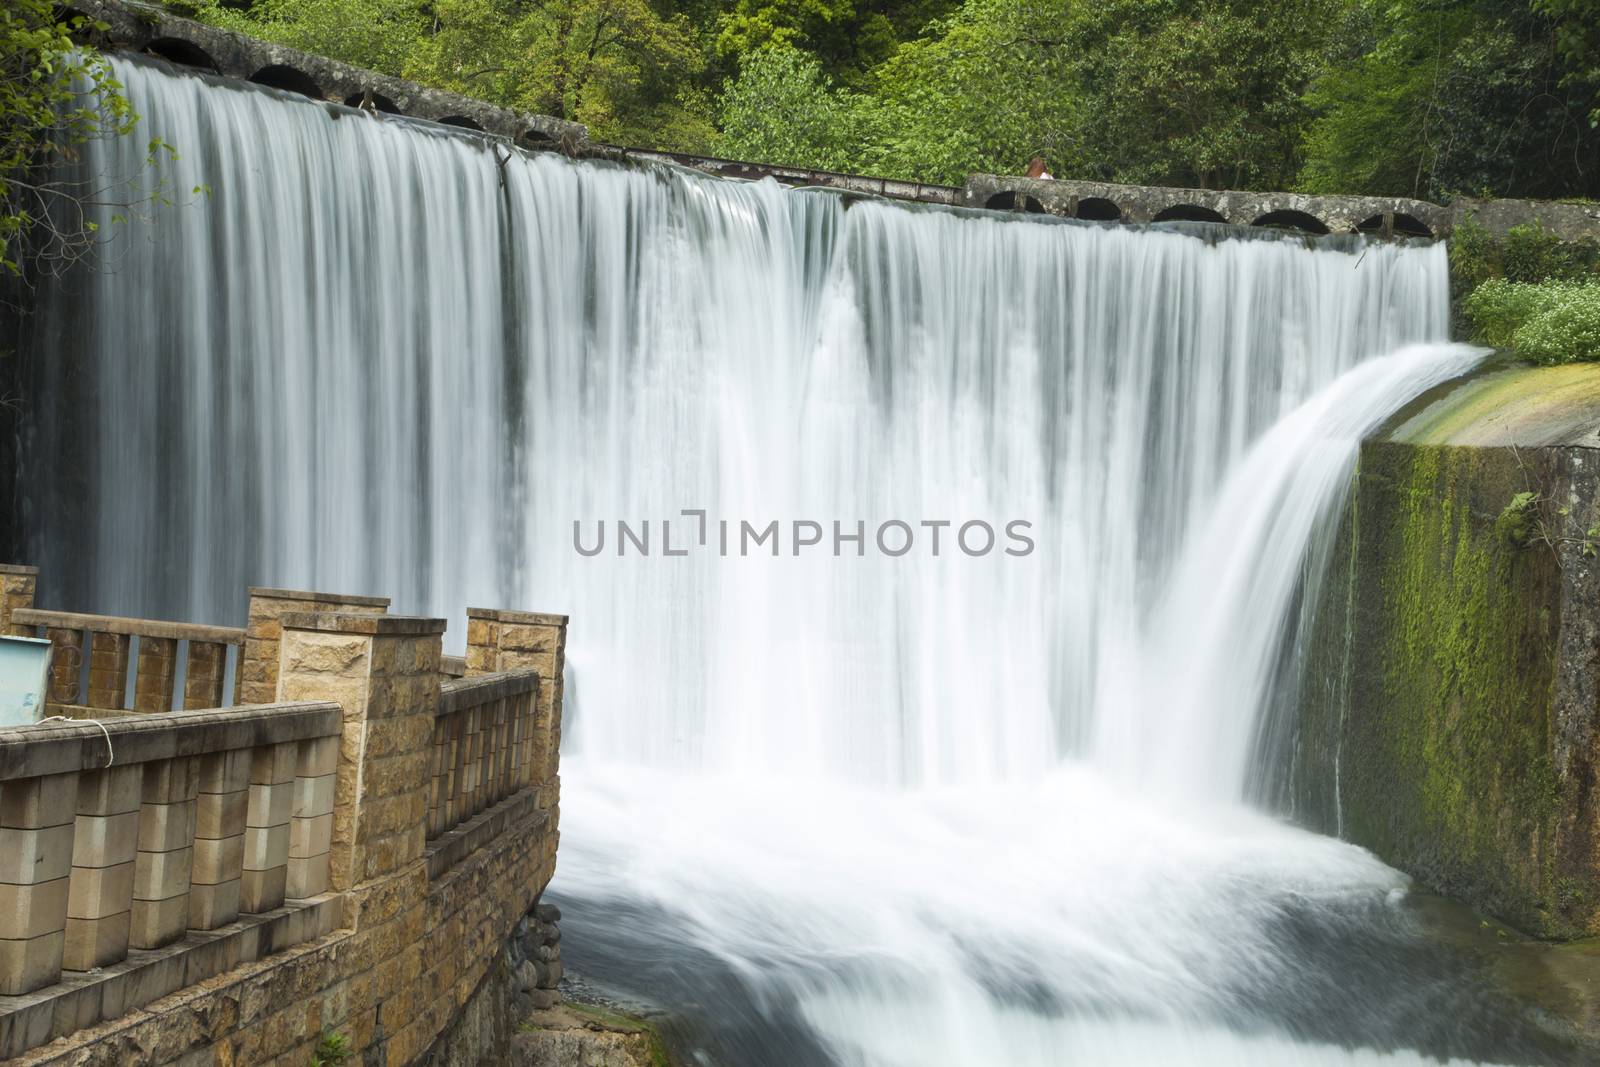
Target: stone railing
153, 650
1377, 216
353, 858
124, 837
482, 745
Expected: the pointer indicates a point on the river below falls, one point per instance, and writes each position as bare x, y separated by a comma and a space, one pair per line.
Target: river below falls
1064, 921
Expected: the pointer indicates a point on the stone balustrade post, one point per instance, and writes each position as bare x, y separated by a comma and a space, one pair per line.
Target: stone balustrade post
36, 826
499, 640
205, 671
221, 806
108, 670
383, 671
17, 586
311, 828
266, 832
104, 849
258, 661
165, 860
66, 665
156, 674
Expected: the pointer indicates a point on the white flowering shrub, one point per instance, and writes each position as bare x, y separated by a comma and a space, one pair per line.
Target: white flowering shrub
1546, 322
1565, 328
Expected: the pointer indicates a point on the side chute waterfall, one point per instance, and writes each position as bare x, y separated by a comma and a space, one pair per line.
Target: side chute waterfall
826, 803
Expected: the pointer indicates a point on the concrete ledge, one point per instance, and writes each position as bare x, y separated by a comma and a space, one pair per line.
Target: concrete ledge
59, 748
1520, 406
518, 618
116, 624
84, 999
350, 622
461, 693
17, 568
795, 177
309, 595
1377, 215
453, 846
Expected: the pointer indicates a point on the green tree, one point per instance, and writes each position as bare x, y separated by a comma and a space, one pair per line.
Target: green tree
1207, 93
985, 90
377, 34
620, 67
1452, 99
54, 97
782, 109
848, 37
1203, 93
1578, 40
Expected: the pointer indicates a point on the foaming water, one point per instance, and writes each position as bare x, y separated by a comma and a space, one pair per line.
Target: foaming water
832, 808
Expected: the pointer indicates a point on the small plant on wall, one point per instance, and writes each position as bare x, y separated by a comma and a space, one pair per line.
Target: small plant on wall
333, 1050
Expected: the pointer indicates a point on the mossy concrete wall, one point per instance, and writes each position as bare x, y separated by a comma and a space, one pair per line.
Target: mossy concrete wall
1448, 721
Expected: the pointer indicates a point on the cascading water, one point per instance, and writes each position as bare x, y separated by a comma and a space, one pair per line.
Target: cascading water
833, 805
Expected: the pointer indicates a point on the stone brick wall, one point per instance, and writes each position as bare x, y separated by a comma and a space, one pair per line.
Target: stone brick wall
17, 585
408, 974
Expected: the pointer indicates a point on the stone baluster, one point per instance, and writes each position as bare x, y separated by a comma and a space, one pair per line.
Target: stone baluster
36, 827
311, 831
104, 849
17, 586
108, 671
439, 778
471, 762
205, 670
266, 833
156, 674
165, 860
221, 806
66, 665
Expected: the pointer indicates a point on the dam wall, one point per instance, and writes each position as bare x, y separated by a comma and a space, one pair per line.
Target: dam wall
1449, 718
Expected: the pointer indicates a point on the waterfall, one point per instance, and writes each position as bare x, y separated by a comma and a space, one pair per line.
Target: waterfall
904, 801
373, 357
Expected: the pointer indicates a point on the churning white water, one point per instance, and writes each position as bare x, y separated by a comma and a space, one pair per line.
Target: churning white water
838, 803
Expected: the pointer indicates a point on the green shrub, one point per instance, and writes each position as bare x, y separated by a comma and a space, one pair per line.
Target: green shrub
1474, 256
1498, 307
1532, 253
1546, 322
1565, 328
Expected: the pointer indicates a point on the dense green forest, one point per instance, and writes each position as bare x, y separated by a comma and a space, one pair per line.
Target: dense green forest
1424, 98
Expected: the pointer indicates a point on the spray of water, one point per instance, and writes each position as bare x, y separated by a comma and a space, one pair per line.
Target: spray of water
851, 808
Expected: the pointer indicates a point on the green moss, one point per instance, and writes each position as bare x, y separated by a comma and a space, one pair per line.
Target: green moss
1518, 524
1447, 762
602, 1018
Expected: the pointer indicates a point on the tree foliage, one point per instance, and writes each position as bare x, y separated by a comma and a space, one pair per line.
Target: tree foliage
45, 116
1431, 98
1478, 99
622, 67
